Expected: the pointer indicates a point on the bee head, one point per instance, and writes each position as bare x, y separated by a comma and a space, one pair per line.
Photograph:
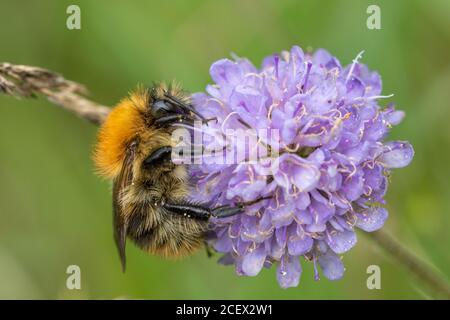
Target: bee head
146, 116
170, 101
123, 125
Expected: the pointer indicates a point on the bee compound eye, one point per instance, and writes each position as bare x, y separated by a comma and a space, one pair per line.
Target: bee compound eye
161, 107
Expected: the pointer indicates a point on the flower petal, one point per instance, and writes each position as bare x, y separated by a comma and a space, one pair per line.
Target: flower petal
289, 271
398, 155
392, 116
226, 259
372, 219
289, 131
302, 200
226, 72
283, 215
223, 244
341, 242
290, 168
353, 188
253, 261
298, 246
332, 266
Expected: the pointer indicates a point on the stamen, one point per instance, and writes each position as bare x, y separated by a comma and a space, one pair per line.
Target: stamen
355, 61
277, 59
308, 69
375, 97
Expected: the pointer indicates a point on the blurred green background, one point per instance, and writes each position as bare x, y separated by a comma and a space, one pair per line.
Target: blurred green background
55, 212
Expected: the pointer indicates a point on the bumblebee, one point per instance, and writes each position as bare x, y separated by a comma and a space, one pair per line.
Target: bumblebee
149, 192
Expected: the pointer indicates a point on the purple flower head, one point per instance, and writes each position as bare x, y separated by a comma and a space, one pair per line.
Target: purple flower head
329, 177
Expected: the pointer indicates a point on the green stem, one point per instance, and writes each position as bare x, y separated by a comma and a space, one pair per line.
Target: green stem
420, 269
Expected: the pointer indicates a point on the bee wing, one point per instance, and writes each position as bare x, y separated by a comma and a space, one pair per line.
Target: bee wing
120, 224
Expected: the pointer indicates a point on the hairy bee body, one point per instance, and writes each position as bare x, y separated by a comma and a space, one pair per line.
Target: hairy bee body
130, 152
151, 227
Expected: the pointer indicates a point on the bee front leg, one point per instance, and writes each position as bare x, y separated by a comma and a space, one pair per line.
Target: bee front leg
168, 120
173, 118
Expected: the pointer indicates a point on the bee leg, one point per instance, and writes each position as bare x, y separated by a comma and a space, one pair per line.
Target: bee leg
200, 212
209, 250
249, 203
158, 156
179, 118
173, 118
226, 211
186, 107
188, 210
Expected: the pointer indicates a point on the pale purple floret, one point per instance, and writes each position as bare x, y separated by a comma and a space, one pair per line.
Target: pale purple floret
331, 173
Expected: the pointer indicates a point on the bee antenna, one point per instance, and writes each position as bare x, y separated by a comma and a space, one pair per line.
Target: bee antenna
182, 105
